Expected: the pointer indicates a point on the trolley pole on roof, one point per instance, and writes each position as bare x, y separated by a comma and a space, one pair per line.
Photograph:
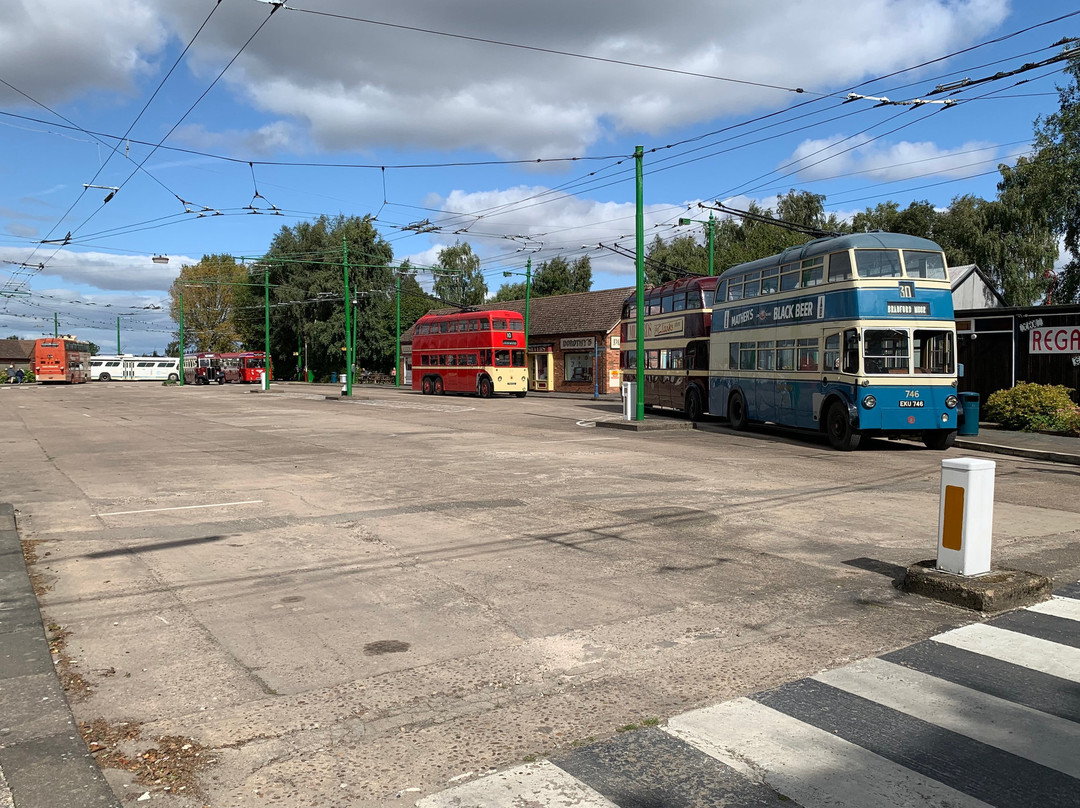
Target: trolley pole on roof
348, 324
639, 409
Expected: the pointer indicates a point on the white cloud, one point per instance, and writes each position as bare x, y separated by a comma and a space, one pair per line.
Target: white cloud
101, 270
362, 87
884, 161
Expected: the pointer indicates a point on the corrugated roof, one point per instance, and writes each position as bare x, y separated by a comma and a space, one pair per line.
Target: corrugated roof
585, 312
21, 349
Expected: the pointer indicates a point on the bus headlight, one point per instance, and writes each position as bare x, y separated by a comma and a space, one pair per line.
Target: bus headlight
869, 402
944, 417
950, 402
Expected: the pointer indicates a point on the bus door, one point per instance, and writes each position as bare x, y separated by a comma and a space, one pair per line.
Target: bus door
840, 364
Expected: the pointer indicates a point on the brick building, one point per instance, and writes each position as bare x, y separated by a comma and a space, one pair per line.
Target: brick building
17, 352
573, 341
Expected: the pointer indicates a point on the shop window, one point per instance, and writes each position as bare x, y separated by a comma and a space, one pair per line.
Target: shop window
578, 367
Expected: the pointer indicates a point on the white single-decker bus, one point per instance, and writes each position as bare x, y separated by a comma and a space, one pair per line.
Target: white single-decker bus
134, 368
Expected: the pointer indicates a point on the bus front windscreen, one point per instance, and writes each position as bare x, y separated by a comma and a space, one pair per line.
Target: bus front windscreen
885, 350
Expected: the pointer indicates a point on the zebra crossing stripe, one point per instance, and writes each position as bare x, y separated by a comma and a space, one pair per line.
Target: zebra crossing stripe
648, 767
807, 764
1031, 652
1069, 590
992, 775
1043, 738
1007, 681
537, 785
1068, 608
1044, 626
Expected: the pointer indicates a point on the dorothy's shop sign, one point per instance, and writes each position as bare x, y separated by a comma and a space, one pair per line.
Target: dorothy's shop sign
1054, 340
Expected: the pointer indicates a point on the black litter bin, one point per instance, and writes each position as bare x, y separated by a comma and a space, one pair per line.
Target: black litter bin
968, 414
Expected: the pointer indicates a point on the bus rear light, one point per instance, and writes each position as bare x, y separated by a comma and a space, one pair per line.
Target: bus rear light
869, 402
950, 402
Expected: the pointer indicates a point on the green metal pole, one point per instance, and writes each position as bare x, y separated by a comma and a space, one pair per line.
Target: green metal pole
348, 321
56, 325
180, 294
300, 353
712, 237
639, 410
528, 292
266, 300
397, 342
118, 335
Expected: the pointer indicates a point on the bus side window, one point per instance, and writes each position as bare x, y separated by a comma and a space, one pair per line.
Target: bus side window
832, 352
851, 351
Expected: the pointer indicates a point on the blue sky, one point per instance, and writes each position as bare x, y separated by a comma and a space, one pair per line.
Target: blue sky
437, 112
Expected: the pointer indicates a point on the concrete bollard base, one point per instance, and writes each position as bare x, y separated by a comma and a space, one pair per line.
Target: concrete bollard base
996, 591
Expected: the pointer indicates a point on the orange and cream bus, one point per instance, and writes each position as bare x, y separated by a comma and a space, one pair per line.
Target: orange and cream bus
60, 360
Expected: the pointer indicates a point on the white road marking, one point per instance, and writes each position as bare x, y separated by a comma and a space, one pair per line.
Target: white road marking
811, 766
1069, 608
539, 785
1025, 732
1053, 658
184, 507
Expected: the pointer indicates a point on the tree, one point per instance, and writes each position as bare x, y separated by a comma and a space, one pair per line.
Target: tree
510, 291
1042, 192
210, 303
307, 316
560, 277
460, 282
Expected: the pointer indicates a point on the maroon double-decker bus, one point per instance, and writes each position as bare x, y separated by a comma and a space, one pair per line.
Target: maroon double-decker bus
678, 319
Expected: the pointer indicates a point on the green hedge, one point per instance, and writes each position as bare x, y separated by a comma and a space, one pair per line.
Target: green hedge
1035, 408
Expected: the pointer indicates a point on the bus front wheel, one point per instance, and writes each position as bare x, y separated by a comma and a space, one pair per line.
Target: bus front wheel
172, 378
736, 411
485, 388
694, 410
104, 377
842, 435
939, 439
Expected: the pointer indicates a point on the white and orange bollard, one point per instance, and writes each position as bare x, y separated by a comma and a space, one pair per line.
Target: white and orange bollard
966, 516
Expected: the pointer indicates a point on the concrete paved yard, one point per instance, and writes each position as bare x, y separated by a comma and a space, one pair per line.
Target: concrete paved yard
354, 603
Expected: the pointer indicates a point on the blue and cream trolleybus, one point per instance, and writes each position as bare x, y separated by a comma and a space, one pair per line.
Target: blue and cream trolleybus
852, 335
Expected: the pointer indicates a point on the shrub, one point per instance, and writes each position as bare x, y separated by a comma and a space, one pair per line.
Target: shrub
1034, 407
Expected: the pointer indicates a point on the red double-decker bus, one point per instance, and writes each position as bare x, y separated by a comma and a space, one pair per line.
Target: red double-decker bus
481, 352
203, 368
250, 366
66, 361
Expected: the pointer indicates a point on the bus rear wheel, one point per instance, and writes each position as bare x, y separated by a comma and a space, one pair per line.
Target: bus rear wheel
736, 411
426, 387
172, 378
694, 410
939, 439
437, 386
485, 387
842, 435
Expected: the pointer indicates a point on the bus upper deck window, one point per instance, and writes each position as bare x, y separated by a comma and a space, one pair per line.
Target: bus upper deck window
752, 286
839, 266
769, 281
720, 294
921, 264
811, 275
878, 263
734, 291
679, 304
